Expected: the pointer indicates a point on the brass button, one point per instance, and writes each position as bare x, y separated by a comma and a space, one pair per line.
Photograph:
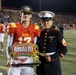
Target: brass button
44, 47
44, 43
45, 33
45, 40
43, 50
51, 41
45, 36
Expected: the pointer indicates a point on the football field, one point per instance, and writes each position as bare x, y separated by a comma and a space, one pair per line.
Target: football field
68, 62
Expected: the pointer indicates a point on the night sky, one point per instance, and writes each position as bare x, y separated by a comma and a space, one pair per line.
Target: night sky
66, 6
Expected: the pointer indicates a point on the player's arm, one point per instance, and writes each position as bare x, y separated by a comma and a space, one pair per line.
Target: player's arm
37, 33
9, 43
37, 30
35, 40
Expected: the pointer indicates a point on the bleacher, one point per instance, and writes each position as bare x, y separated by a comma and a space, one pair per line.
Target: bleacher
14, 16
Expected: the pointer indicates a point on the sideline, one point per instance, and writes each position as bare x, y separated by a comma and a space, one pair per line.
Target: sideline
71, 53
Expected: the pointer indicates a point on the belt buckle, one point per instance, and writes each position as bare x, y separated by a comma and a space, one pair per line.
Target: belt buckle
43, 54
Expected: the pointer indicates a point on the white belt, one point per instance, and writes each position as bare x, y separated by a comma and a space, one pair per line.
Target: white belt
45, 54
50, 53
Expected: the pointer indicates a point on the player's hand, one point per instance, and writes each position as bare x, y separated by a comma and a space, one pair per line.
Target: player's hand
48, 58
8, 62
36, 58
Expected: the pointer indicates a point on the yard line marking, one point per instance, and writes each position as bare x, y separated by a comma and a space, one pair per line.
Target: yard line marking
1, 55
72, 53
71, 44
5, 68
68, 58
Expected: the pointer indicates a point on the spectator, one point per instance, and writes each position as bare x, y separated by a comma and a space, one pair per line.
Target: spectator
2, 30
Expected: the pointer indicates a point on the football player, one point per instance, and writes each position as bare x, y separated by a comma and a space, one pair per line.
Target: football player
2, 30
21, 32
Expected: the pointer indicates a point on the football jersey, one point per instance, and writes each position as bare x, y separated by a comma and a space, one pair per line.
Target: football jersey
2, 28
22, 34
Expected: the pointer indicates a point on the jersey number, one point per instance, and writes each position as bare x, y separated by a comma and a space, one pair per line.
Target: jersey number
24, 39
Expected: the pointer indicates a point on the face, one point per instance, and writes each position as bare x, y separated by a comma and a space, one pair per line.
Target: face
47, 24
25, 17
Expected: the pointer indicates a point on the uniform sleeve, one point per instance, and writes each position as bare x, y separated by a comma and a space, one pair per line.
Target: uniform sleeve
3, 28
37, 30
9, 43
62, 47
11, 28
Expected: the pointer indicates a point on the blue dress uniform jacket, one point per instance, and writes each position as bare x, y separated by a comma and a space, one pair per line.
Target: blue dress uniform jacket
51, 40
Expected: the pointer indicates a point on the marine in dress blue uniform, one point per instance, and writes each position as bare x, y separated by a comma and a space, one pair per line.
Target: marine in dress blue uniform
52, 46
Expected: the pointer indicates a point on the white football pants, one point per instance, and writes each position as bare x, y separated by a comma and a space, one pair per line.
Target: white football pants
21, 70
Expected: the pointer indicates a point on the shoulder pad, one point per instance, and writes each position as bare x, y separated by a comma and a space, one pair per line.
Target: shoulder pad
12, 25
36, 27
2, 24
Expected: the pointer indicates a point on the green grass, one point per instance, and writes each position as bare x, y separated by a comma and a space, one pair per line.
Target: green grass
68, 62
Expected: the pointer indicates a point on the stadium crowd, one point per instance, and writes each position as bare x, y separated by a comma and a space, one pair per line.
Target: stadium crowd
68, 21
